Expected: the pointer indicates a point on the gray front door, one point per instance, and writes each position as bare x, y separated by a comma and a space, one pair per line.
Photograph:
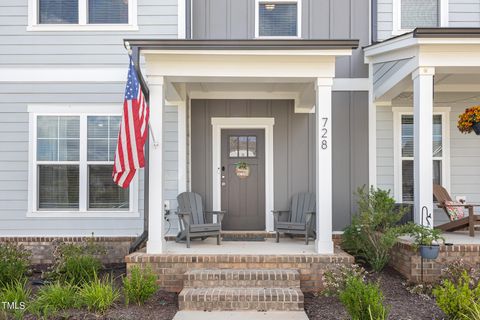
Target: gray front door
243, 179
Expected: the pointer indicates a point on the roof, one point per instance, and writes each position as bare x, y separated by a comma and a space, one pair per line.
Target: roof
446, 33
253, 44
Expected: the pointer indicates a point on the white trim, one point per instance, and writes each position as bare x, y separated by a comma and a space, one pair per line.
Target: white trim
83, 25
181, 19
182, 146
397, 143
372, 132
62, 74
351, 84
82, 111
244, 123
299, 19
397, 17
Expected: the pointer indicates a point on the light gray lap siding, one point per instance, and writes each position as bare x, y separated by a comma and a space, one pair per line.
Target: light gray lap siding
464, 13
156, 19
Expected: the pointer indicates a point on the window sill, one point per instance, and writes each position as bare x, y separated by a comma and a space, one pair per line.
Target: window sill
77, 27
83, 214
278, 37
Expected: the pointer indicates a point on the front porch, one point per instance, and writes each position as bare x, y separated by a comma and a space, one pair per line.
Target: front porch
276, 94
289, 254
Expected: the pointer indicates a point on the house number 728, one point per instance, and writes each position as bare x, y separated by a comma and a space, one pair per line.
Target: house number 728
324, 134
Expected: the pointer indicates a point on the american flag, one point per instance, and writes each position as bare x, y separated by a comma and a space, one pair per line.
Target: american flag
133, 132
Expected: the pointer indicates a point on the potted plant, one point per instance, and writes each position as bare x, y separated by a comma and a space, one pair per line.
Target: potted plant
470, 120
427, 240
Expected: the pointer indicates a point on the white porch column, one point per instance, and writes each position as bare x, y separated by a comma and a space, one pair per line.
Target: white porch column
423, 131
156, 242
323, 152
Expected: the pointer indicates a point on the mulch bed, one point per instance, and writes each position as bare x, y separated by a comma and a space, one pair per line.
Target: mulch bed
403, 304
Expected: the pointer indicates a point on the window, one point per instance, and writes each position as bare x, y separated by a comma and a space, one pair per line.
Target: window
280, 18
82, 15
404, 186
411, 14
72, 162
243, 146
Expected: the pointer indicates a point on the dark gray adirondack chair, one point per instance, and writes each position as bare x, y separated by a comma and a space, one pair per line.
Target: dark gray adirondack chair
300, 219
193, 219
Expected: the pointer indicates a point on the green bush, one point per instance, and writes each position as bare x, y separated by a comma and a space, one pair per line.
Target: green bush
374, 231
455, 299
53, 298
139, 286
473, 312
15, 297
14, 263
98, 295
363, 301
76, 263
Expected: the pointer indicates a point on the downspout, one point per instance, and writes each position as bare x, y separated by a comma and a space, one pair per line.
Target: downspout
374, 22
140, 240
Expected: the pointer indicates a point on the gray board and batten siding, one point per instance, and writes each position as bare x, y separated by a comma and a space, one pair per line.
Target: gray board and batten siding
22, 48
321, 19
293, 147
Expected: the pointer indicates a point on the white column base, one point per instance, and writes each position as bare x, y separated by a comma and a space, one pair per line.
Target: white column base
156, 247
324, 247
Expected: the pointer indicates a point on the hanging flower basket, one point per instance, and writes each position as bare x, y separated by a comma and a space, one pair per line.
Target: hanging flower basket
242, 170
470, 120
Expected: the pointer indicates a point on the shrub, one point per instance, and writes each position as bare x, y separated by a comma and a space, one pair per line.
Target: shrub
454, 271
363, 301
473, 312
373, 231
455, 298
98, 295
53, 298
17, 295
139, 286
76, 263
14, 263
335, 279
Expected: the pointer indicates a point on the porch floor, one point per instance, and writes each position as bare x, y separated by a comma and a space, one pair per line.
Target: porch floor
455, 238
286, 246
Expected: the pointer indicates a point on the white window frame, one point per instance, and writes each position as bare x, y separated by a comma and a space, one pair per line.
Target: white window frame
398, 112
82, 25
397, 17
299, 19
83, 111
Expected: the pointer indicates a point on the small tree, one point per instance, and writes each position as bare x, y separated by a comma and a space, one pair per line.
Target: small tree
374, 230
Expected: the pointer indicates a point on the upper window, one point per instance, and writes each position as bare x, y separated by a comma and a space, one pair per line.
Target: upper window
72, 165
405, 176
243, 146
411, 14
82, 14
279, 18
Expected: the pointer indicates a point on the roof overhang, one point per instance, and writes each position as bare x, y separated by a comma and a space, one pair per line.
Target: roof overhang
450, 51
242, 68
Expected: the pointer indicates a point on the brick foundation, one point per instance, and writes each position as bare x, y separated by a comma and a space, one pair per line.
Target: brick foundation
170, 268
406, 260
42, 247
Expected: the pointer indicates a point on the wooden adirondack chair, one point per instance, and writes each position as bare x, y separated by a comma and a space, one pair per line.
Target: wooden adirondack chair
471, 221
300, 219
193, 219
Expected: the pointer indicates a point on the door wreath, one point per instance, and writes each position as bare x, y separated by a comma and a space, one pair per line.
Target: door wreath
242, 169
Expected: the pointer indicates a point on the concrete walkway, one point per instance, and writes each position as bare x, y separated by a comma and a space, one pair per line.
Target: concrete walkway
240, 315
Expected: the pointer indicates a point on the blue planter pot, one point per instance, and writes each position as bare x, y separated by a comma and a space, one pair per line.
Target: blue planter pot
429, 252
476, 128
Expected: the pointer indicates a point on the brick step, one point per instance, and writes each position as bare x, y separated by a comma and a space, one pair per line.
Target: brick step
227, 299
264, 278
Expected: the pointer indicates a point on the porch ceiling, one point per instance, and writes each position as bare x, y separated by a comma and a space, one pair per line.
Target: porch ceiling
453, 53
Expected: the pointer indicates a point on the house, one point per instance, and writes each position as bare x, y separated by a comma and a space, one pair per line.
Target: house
314, 95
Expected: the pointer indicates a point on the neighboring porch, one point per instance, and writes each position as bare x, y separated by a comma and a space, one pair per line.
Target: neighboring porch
218, 77
421, 82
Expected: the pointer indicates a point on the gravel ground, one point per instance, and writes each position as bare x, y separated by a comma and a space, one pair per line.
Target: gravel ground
403, 304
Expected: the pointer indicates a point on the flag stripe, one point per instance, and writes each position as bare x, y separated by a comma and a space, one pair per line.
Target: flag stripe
129, 156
